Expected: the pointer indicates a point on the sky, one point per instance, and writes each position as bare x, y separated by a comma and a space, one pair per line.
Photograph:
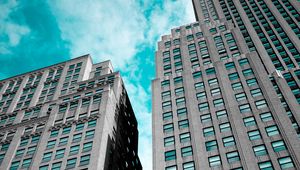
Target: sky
35, 34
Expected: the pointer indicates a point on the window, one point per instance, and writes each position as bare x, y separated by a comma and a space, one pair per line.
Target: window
35, 139
249, 121
92, 123
266, 116
229, 66
228, 141
201, 95
243, 61
79, 127
84, 160
272, 130
224, 127
54, 133
233, 76
71, 163
260, 150
199, 85
210, 71
197, 74
209, 131
261, 104
181, 112
245, 108
183, 124
254, 135
180, 101
14, 165
278, 146
166, 104
285, 162
205, 118
171, 167
188, 166
179, 91
221, 114
211, 145
251, 82
256, 92
170, 155
63, 141
168, 128
51, 144
166, 94
177, 80
87, 146
265, 165
203, 106
240, 96
236, 86
47, 157
44, 167
77, 137
59, 153
23, 142
74, 150
232, 157
186, 151
168, 141
213, 82
167, 115
215, 92
247, 72
184, 137
26, 163
218, 102
89, 134
167, 44
214, 161
20, 152
31, 150
165, 83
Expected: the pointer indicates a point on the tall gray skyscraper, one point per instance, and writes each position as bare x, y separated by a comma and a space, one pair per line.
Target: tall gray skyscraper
226, 93
71, 115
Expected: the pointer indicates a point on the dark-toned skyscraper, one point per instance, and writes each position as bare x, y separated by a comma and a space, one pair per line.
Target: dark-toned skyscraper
71, 115
226, 93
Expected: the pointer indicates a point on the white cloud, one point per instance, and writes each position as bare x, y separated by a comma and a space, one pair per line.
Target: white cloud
118, 30
13, 31
104, 29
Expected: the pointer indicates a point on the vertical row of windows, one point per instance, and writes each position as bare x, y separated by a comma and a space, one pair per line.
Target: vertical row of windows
50, 85
290, 46
238, 20
28, 91
286, 106
288, 17
293, 85
71, 77
9, 94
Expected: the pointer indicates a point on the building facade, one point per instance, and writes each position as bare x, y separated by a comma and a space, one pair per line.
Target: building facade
71, 115
226, 95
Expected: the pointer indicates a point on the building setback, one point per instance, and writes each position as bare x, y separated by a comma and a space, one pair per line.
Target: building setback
226, 93
71, 115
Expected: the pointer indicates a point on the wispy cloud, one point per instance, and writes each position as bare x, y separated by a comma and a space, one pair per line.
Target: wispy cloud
105, 29
10, 32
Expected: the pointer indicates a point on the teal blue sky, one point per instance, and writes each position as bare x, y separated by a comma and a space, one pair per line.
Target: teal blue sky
35, 34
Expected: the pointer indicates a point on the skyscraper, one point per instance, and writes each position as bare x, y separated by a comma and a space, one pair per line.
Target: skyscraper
226, 93
71, 115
